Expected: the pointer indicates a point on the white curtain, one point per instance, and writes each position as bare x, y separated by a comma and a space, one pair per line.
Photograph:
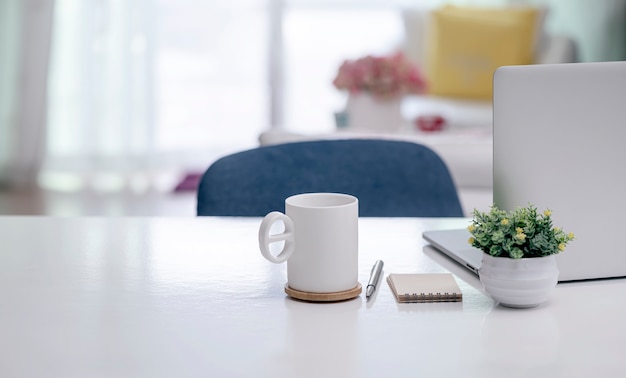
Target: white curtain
101, 94
25, 27
143, 90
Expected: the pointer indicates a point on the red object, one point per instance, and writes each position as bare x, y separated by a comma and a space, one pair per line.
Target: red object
430, 123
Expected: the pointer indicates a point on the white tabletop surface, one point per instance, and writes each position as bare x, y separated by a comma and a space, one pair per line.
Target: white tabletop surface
193, 297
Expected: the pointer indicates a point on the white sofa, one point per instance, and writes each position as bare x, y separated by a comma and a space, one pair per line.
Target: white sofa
466, 151
465, 144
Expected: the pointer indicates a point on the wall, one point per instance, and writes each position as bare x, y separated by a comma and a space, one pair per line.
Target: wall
599, 27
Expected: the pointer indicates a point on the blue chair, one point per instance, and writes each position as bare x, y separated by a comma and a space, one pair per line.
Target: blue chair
390, 178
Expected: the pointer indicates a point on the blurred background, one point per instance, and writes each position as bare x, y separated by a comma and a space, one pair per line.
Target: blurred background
106, 105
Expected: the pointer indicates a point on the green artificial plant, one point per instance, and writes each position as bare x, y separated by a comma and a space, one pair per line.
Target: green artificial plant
518, 234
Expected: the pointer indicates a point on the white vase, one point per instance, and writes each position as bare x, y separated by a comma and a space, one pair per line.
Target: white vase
368, 113
525, 282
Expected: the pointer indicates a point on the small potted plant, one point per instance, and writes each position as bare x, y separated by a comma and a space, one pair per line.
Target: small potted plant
519, 248
375, 86
383, 77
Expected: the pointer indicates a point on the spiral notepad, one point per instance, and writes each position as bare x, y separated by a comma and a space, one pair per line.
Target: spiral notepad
424, 287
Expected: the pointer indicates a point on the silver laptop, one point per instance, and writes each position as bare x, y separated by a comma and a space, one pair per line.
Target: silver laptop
559, 142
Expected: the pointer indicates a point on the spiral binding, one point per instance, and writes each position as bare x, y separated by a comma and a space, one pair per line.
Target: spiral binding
431, 297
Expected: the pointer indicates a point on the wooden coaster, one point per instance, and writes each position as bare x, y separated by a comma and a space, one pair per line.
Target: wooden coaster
323, 297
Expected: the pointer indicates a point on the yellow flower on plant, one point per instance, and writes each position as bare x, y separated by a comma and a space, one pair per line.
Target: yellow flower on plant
471, 228
505, 222
519, 230
561, 247
471, 240
547, 213
570, 235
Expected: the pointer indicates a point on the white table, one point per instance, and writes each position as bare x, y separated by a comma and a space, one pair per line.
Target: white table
192, 297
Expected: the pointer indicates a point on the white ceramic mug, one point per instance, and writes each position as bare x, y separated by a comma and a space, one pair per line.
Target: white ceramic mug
320, 241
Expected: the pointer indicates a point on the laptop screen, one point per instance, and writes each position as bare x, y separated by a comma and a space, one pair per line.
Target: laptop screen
560, 144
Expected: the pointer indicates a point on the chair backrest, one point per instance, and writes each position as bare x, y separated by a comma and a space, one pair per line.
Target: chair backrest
390, 178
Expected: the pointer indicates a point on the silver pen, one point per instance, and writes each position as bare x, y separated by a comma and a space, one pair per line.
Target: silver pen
377, 269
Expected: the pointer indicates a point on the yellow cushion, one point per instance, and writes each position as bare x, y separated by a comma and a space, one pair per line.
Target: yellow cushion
466, 46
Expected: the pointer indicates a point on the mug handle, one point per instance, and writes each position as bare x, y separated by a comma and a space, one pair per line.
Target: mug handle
265, 239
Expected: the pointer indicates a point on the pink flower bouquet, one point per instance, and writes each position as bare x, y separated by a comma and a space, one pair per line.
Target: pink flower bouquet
383, 77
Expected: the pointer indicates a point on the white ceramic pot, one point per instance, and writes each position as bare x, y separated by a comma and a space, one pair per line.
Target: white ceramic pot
367, 113
525, 282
